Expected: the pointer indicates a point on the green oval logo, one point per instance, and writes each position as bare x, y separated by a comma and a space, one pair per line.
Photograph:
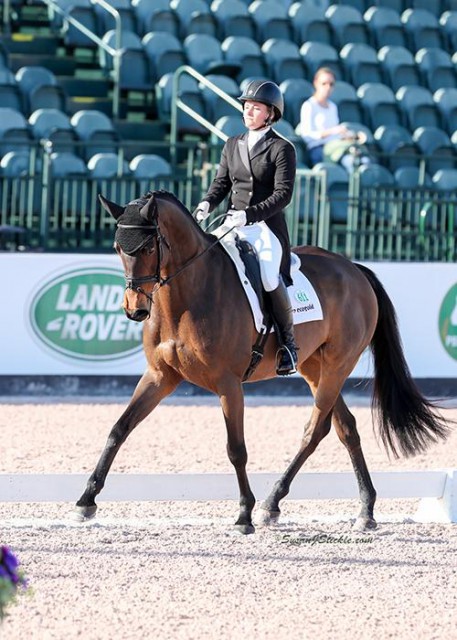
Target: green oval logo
79, 314
448, 322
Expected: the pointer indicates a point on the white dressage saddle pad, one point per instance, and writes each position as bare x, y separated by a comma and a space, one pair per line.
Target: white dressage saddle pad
303, 297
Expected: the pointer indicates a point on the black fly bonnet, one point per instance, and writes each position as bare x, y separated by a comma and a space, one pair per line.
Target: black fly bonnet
133, 230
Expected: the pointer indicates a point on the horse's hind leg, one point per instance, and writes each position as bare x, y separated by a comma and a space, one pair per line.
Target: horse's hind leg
150, 390
345, 426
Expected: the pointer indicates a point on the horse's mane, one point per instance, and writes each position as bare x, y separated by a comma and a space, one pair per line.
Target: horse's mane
162, 194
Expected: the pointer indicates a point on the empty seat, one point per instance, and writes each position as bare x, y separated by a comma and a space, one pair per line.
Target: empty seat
379, 105
309, 23
337, 185
445, 180
347, 25
107, 165
135, 69
230, 125
14, 131
397, 148
271, 20
361, 64
385, 27
418, 107
155, 16
106, 20
203, 52
84, 12
376, 183
399, 66
295, 92
436, 145
448, 25
246, 53
422, 28
436, 68
215, 106
409, 178
10, 93
283, 59
53, 125
96, 130
189, 93
194, 17
232, 19
40, 89
345, 97
150, 165
320, 54
165, 53
446, 102
65, 164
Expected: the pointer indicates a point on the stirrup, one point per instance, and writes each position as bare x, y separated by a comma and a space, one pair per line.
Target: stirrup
286, 359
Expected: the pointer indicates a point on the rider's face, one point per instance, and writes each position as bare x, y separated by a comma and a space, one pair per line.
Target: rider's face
255, 114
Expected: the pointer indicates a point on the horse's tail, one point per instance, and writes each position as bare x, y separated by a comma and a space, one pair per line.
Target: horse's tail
408, 422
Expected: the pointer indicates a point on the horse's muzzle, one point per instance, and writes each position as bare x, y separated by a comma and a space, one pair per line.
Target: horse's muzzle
137, 315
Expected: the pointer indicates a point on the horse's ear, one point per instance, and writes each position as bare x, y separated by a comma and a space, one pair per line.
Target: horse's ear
148, 211
114, 209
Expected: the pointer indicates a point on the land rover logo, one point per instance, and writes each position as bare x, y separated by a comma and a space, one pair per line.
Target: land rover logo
79, 314
448, 322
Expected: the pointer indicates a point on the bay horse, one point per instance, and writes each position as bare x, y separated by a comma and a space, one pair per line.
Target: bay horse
198, 327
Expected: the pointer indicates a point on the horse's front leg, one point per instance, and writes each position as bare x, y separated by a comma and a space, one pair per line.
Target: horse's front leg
232, 402
151, 389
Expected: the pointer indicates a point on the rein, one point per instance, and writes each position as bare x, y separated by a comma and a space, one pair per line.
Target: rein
135, 283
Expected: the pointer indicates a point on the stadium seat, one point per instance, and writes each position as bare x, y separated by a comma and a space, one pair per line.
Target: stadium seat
283, 59
436, 68
396, 5
247, 54
320, 54
448, 26
232, 19
446, 102
446, 180
194, 17
347, 25
40, 89
107, 165
189, 92
96, 131
422, 28
271, 20
149, 166
155, 16
435, 144
361, 64
345, 97
215, 106
397, 148
54, 125
295, 92
409, 178
135, 69
230, 125
418, 107
375, 183
379, 105
309, 23
10, 94
435, 7
385, 27
107, 22
65, 164
84, 12
399, 67
165, 53
15, 134
203, 52
337, 185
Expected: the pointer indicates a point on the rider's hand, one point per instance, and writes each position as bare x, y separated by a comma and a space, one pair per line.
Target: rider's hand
202, 211
236, 218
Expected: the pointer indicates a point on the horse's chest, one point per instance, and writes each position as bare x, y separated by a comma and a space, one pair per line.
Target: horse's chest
176, 354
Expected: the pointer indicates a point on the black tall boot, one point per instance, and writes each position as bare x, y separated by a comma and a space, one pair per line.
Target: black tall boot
286, 358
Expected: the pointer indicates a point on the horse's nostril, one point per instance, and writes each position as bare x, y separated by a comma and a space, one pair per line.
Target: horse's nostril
138, 315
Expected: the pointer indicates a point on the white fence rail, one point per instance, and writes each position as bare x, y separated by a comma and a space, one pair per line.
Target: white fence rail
437, 489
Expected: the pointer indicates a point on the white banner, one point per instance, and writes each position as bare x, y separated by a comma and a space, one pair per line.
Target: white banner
61, 316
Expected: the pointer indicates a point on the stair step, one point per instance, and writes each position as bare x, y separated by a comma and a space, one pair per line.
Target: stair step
28, 44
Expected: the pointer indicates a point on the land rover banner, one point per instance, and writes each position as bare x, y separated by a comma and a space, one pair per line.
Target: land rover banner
61, 314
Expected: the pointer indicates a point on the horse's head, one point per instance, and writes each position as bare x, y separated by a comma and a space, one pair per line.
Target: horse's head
138, 243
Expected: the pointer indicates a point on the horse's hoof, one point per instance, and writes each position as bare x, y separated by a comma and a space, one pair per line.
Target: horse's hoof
244, 529
267, 518
365, 524
82, 514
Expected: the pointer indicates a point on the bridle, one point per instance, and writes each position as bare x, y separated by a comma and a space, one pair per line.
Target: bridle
135, 284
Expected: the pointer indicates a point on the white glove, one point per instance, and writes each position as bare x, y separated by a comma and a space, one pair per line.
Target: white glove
236, 218
202, 211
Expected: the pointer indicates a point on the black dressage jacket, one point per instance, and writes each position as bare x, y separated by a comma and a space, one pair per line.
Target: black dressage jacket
260, 181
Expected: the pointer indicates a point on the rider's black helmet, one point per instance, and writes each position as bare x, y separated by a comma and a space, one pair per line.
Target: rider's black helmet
266, 92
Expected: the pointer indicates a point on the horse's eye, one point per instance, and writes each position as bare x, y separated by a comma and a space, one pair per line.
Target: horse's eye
149, 249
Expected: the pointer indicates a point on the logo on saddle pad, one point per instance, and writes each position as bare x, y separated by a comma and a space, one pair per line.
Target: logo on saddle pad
78, 314
301, 296
448, 322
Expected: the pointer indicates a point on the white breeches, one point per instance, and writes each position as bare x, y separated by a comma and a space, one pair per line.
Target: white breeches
268, 249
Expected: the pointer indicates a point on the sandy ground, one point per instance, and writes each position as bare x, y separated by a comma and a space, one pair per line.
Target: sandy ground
177, 570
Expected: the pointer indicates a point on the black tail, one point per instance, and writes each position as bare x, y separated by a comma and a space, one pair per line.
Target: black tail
408, 423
